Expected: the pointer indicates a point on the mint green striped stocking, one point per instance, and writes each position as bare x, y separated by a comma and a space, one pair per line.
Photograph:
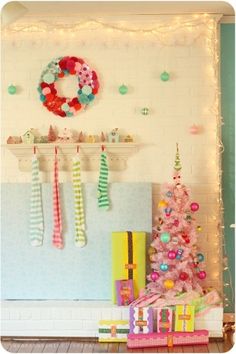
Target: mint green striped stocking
103, 200
36, 209
80, 239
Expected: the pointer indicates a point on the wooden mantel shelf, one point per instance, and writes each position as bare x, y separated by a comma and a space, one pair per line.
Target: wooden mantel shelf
117, 153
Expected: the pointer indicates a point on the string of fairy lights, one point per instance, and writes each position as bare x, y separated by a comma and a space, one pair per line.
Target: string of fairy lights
188, 25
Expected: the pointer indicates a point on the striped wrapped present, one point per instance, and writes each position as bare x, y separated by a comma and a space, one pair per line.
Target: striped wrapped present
113, 331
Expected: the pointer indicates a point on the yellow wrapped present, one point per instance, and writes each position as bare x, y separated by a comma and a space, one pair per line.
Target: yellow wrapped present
113, 331
129, 259
184, 318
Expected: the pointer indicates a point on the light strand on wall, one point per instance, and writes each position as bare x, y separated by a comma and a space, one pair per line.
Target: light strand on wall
213, 47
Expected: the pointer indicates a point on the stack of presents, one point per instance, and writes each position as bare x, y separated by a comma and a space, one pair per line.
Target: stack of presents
148, 326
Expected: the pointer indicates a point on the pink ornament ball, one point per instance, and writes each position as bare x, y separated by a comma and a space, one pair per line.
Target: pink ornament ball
171, 254
194, 206
154, 276
201, 274
183, 276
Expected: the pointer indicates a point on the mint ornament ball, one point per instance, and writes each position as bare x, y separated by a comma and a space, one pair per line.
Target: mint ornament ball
165, 76
123, 89
11, 89
165, 237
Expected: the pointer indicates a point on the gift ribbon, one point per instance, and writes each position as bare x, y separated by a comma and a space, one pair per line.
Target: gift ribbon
130, 266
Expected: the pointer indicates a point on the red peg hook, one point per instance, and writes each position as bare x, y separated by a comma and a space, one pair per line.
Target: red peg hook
34, 149
103, 147
77, 149
56, 150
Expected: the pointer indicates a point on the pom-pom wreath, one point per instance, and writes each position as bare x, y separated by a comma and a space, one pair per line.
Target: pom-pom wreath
177, 258
59, 68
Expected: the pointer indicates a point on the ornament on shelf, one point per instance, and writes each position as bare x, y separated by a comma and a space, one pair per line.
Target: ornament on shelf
58, 68
91, 139
123, 89
201, 275
65, 136
52, 136
194, 206
195, 129
165, 237
113, 136
14, 140
171, 254
165, 76
128, 139
11, 89
43, 139
183, 276
81, 138
103, 137
164, 267
200, 257
145, 111
28, 137
169, 283
154, 276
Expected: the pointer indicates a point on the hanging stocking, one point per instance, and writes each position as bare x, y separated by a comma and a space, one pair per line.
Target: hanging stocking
80, 240
36, 210
57, 227
103, 201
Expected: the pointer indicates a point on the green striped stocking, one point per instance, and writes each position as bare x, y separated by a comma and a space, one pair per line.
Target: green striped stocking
80, 239
103, 201
36, 210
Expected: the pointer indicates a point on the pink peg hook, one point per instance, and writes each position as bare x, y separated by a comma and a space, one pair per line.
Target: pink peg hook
77, 149
34, 149
103, 147
56, 150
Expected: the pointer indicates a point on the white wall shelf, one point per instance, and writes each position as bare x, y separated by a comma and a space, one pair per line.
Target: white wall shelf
117, 153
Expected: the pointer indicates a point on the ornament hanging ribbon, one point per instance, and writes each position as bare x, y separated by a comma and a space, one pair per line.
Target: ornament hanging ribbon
57, 239
36, 210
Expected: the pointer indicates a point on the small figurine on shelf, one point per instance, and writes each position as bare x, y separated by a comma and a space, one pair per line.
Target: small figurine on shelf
65, 136
43, 139
91, 139
113, 136
81, 137
103, 137
14, 140
52, 136
128, 139
28, 137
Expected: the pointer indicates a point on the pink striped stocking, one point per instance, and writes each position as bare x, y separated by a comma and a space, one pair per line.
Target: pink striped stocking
57, 239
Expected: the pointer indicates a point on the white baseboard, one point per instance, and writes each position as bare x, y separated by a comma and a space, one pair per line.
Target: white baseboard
77, 318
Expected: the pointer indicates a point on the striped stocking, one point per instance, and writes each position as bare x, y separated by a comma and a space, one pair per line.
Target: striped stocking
57, 239
80, 239
36, 210
103, 201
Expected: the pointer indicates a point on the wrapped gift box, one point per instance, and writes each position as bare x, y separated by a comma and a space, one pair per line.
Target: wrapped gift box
167, 339
113, 331
184, 318
164, 320
124, 292
141, 320
129, 259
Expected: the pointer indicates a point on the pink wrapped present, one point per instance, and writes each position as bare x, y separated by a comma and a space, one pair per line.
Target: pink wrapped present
124, 292
168, 339
164, 320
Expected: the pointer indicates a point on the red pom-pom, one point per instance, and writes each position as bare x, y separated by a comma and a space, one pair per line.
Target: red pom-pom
44, 84
77, 106
72, 72
61, 74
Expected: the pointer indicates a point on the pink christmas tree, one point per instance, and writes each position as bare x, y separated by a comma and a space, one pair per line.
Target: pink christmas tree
177, 265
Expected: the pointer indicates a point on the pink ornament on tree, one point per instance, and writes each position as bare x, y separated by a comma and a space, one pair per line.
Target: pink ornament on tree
183, 276
194, 206
201, 275
154, 276
171, 254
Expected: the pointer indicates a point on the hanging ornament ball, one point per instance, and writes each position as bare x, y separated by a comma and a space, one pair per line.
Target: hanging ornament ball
165, 237
183, 276
154, 276
199, 228
151, 250
194, 206
200, 257
123, 89
11, 89
175, 240
162, 204
169, 284
165, 76
171, 254
164, 267
145, 111
169, 194
201, 275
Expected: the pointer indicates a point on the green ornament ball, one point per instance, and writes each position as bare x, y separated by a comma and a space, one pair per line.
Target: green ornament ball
165, 237
11, 89
145, 111
123, 89
165, 76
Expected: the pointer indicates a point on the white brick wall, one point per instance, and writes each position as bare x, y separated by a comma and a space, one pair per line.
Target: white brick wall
76, 318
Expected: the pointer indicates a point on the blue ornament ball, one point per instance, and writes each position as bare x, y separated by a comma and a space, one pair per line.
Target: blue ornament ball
200, 257
164, 267
165, 237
